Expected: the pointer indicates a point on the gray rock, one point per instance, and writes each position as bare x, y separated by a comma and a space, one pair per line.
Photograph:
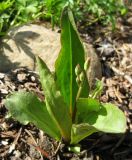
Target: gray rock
21, 45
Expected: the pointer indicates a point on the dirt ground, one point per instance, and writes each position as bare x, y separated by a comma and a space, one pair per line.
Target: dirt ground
18, 142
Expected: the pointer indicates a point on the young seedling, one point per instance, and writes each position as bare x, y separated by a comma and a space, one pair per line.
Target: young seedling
69, 111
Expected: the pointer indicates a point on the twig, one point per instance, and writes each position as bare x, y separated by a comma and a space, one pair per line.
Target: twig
127, 77
13, 145
18, 135
35, 144
31, 136
117, 95
57, 148
45, 154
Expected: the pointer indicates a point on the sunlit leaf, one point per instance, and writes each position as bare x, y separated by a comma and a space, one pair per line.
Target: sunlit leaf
26, 107
87, 105
108, 119
71, 54
81, 131
54, 101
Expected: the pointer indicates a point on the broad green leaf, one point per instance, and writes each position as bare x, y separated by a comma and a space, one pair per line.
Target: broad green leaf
88, 104
85, 106
108, 119
71, 54
81, 131
26, 107
54, 101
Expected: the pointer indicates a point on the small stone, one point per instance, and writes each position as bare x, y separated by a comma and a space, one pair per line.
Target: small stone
21, 77
3, 91
33, 78
2, 75
13, 88
104, 58
4, 143
17, 153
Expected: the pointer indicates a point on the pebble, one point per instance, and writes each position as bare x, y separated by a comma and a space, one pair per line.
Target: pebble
2, 75
33, 78
3, 91
17, 153
21, 77
104, 58
4, 143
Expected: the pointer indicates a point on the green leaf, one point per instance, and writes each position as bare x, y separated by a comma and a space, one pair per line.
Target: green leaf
26, 107
71, 54
123, 11
98, 89
81, 131
87, 105
54, 101
108, 119
75, 149
5, 5
31, 9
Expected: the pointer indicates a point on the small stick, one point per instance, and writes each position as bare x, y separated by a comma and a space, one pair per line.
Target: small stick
57, 149
117, 95
19, 133
13, 145
44, 153
35, 143
29, 133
